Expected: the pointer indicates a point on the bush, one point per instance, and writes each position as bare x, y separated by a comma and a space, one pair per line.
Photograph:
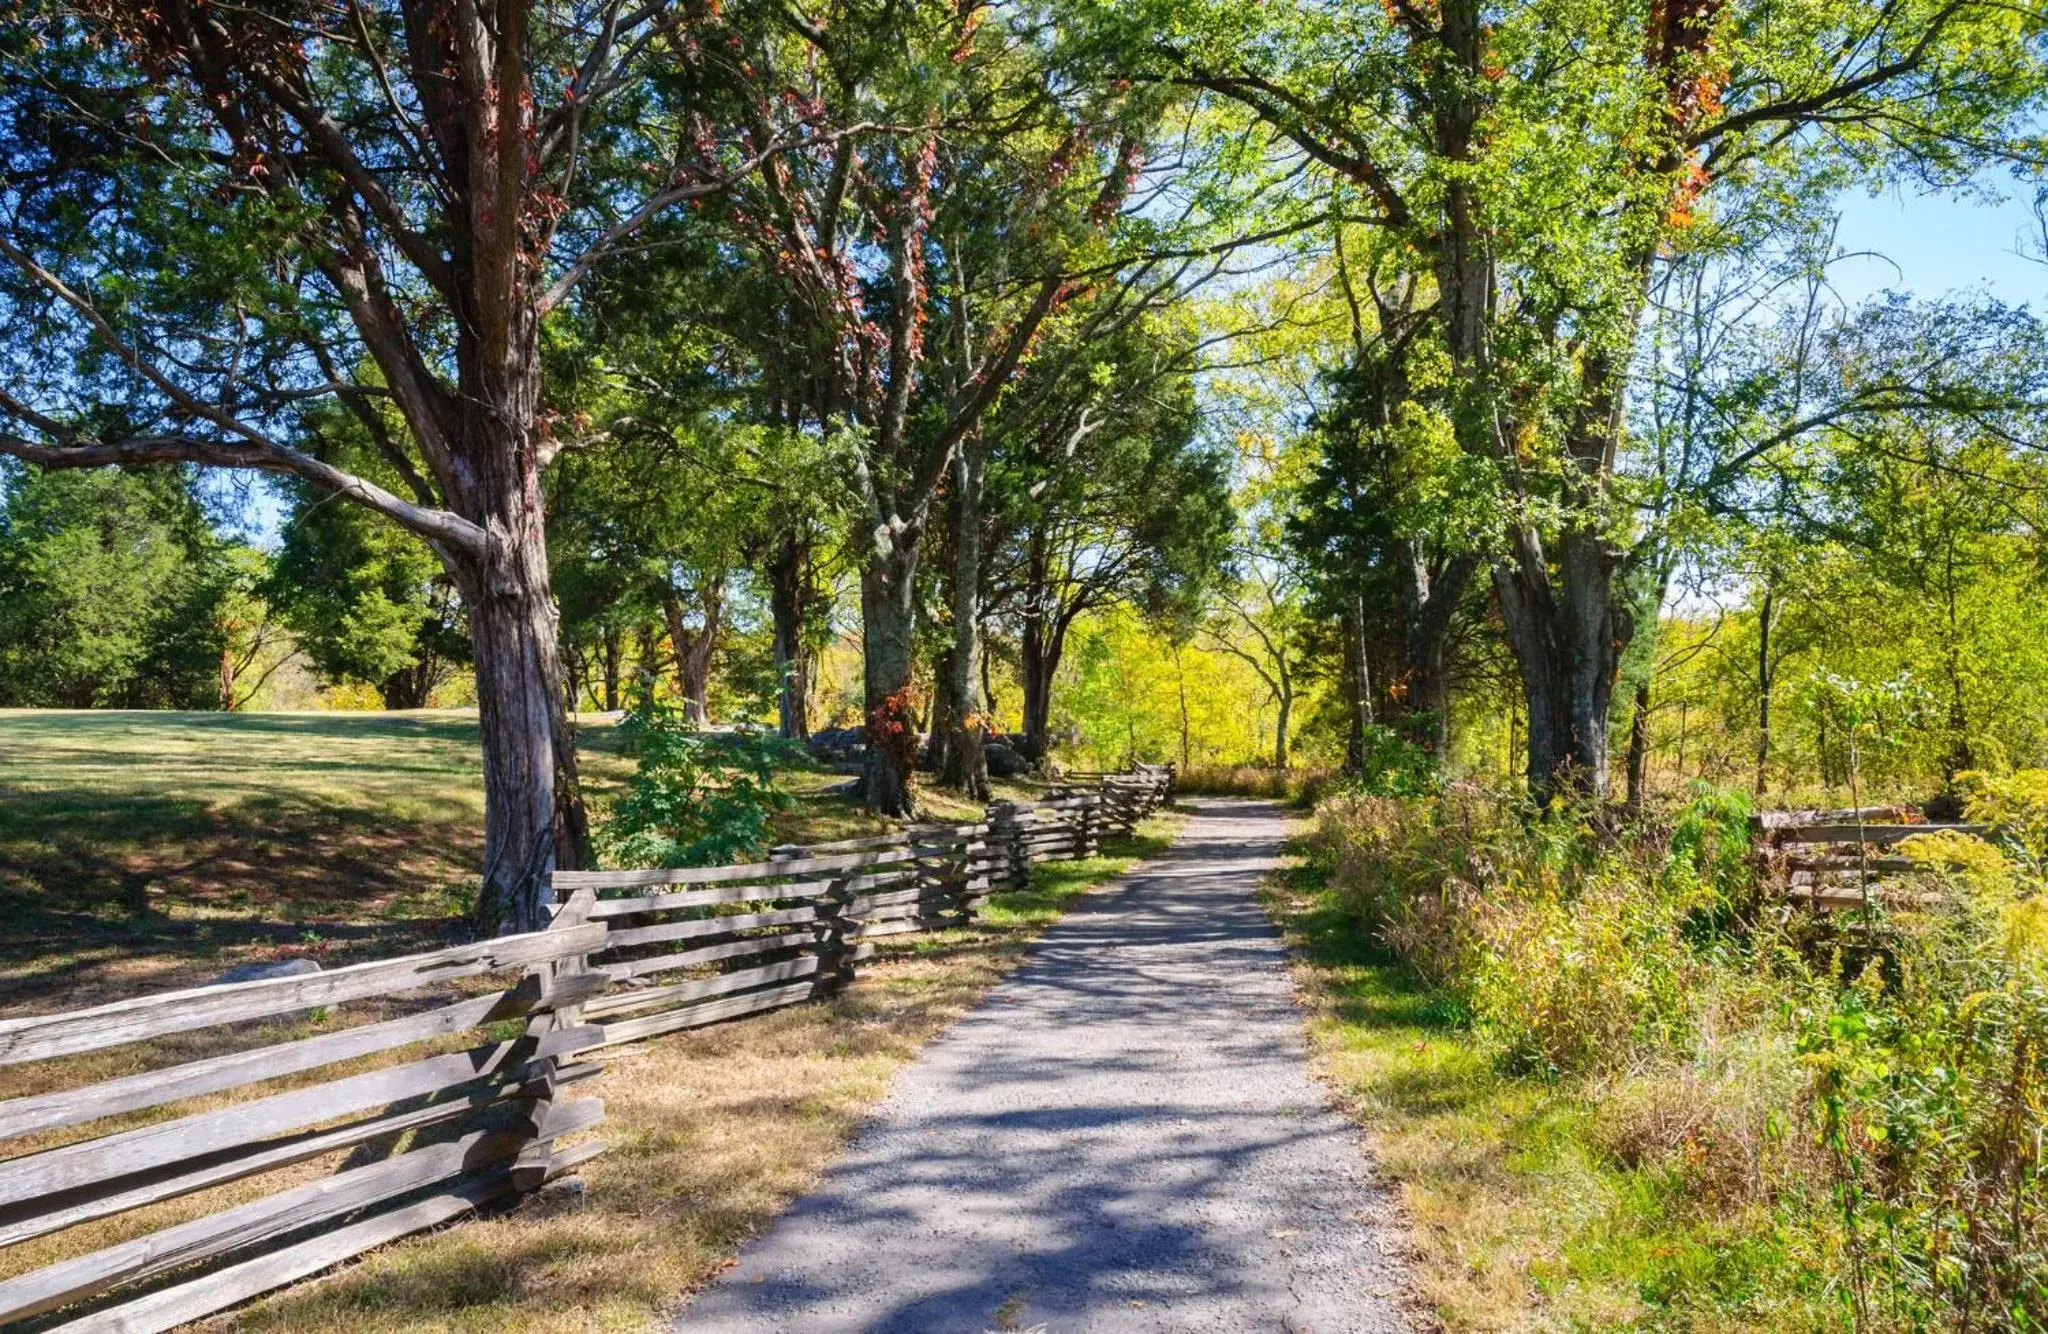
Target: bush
1930, 1083
1570, 950
696, 798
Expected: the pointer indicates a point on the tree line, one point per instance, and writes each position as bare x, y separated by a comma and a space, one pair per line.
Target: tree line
1403, 353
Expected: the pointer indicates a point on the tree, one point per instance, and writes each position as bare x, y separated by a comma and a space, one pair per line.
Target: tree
916, 265
365, 599
1439, 125
1103, 495
217, 217
1260, 623
115, 592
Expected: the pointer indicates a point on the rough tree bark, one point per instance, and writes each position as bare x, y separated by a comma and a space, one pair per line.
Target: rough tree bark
1429, 612
964, 754
788, 577
1567, 635
888, 609
694, 649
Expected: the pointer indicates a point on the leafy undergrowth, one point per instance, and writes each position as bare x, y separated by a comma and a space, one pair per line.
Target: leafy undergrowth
711, 1135
1522, 1214
1625, 1087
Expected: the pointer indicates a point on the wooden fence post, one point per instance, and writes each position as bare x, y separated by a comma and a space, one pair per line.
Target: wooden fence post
835, 960
1085, 836
974, 879
1006, 833
535, 1160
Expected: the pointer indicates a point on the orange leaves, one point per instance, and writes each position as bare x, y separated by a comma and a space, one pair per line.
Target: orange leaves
1690, 187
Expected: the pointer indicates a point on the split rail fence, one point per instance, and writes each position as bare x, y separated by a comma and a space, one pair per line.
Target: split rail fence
1839, 859
247, 1195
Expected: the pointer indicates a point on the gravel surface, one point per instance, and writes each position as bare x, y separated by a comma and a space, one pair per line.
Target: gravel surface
1124, 1136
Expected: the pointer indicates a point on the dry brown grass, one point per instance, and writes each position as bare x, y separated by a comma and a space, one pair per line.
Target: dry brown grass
711, 1134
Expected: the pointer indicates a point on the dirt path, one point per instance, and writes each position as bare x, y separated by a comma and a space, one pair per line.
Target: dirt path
1124, 1136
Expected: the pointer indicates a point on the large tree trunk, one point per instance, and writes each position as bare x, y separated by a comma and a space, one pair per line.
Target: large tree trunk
1041, 647
1568, 638
533, 810
888, 607
1429, 612
694, 648
964, 754
788, 574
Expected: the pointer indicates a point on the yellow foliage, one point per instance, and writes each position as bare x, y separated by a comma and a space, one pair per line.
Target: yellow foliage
1945, 847
2017, 803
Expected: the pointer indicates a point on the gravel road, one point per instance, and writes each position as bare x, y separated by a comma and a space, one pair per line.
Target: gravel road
1123, 1136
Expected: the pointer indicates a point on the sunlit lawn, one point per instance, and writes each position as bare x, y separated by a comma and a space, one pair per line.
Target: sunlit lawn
142, 849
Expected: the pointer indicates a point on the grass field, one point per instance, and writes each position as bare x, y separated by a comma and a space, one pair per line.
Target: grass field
143, 850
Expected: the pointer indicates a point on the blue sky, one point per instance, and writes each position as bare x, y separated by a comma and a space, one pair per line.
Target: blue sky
1937, 244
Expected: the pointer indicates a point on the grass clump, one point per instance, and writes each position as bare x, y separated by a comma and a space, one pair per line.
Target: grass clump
1622, 1090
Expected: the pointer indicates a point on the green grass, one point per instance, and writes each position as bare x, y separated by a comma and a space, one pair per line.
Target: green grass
1520, 1216
141, 850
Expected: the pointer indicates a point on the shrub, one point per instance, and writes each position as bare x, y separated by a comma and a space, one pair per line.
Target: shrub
1930, 1084
1571, 950
696, 798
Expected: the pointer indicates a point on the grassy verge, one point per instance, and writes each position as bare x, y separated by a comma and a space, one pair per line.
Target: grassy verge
1522, 1214
712, 1134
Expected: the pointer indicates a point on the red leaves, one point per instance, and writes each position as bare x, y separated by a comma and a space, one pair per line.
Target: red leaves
890, 728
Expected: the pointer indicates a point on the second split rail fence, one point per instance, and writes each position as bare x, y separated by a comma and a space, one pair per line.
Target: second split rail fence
1850, 858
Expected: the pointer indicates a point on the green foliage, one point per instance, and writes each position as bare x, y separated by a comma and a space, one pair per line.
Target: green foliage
1865, 1117
1930, 1087
696, 798
114, 592
1391, 764
366, 600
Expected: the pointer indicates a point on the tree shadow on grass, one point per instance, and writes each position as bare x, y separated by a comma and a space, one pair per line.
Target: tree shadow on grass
168, 889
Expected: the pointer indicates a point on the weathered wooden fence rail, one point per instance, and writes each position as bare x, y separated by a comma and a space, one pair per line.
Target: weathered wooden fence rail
500, 1031
1839, 859
491, 1111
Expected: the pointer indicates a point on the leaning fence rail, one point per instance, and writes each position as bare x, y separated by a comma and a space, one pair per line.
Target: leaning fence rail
471, 1051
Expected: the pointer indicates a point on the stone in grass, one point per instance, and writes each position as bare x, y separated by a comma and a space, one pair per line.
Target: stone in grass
565, 1193
258, 972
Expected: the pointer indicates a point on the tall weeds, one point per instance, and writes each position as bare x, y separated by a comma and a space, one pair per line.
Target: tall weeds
1876, 1096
